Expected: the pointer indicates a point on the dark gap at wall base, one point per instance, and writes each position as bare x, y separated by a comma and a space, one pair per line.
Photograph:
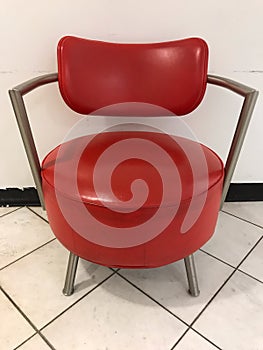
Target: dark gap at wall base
245, 192
16, 197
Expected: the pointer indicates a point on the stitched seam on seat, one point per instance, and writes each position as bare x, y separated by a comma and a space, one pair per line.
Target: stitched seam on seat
146, 207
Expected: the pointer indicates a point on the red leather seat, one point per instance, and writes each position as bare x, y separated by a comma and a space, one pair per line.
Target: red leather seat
77, 212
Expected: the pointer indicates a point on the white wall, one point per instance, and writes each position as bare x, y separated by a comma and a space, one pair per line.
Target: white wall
30, 30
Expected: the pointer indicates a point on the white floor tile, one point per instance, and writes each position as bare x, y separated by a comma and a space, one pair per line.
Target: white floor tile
40, 212
168, 284
35, 343
232, 239
234, 319
21, 232
14, 329
115, 316
251, 211
36, 281
254, 262
6, 210
193, 341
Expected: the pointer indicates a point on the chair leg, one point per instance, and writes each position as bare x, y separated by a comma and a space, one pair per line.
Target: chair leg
191, 275
71, 274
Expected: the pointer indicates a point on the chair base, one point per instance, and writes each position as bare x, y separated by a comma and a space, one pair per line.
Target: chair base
71, 274
191, 275
73, 264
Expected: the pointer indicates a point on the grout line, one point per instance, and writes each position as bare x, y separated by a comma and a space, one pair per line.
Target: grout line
250, 251
117, 269
41, 336
182, 336
23, 256
21, 312
41, 217
251, 276
27, 319
215, 257
226, 263
75, 302
163, 307
213, 297
17, 347
38, 331
242, 219
46, 340
12, 211
200, 334
228, 278
157, 302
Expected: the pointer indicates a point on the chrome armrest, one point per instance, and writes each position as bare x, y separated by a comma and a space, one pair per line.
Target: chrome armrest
250, 97
16, 95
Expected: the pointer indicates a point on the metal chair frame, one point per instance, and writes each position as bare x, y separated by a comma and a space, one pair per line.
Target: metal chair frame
16, 95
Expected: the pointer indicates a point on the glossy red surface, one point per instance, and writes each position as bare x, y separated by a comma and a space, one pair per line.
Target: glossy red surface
94, 74
168, 246
153, 200
83, 153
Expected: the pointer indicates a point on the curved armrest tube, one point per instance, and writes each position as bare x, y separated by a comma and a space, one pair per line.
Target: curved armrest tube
32, 84
16, 96
230, 84
250, 97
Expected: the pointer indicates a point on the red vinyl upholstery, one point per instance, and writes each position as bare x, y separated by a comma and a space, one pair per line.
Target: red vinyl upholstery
93, 75
170, 245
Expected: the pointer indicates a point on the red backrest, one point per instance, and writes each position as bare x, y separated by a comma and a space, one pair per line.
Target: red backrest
94, 74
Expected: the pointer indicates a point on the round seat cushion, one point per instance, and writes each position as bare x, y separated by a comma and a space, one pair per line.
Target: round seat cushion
132, 198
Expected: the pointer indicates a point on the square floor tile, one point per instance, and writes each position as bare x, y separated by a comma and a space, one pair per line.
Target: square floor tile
234, 319
6, 210
254, 262
168, 284
40, 212
36, 281
193, 341
115, 316
21, 232
14, 329
251, 211
35, 343
233, 238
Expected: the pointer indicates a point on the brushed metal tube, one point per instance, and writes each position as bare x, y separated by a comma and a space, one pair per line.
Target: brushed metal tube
229, 84
250, 97
71, 274
191, 275
238, 140
27, 137
36, 82
16, 96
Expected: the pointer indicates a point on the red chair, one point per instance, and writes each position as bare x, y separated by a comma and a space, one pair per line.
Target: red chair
94, 186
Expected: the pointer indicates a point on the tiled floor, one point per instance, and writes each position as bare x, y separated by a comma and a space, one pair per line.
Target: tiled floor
131, 309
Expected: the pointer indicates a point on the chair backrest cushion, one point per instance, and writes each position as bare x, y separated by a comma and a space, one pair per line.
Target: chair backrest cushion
94, 74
